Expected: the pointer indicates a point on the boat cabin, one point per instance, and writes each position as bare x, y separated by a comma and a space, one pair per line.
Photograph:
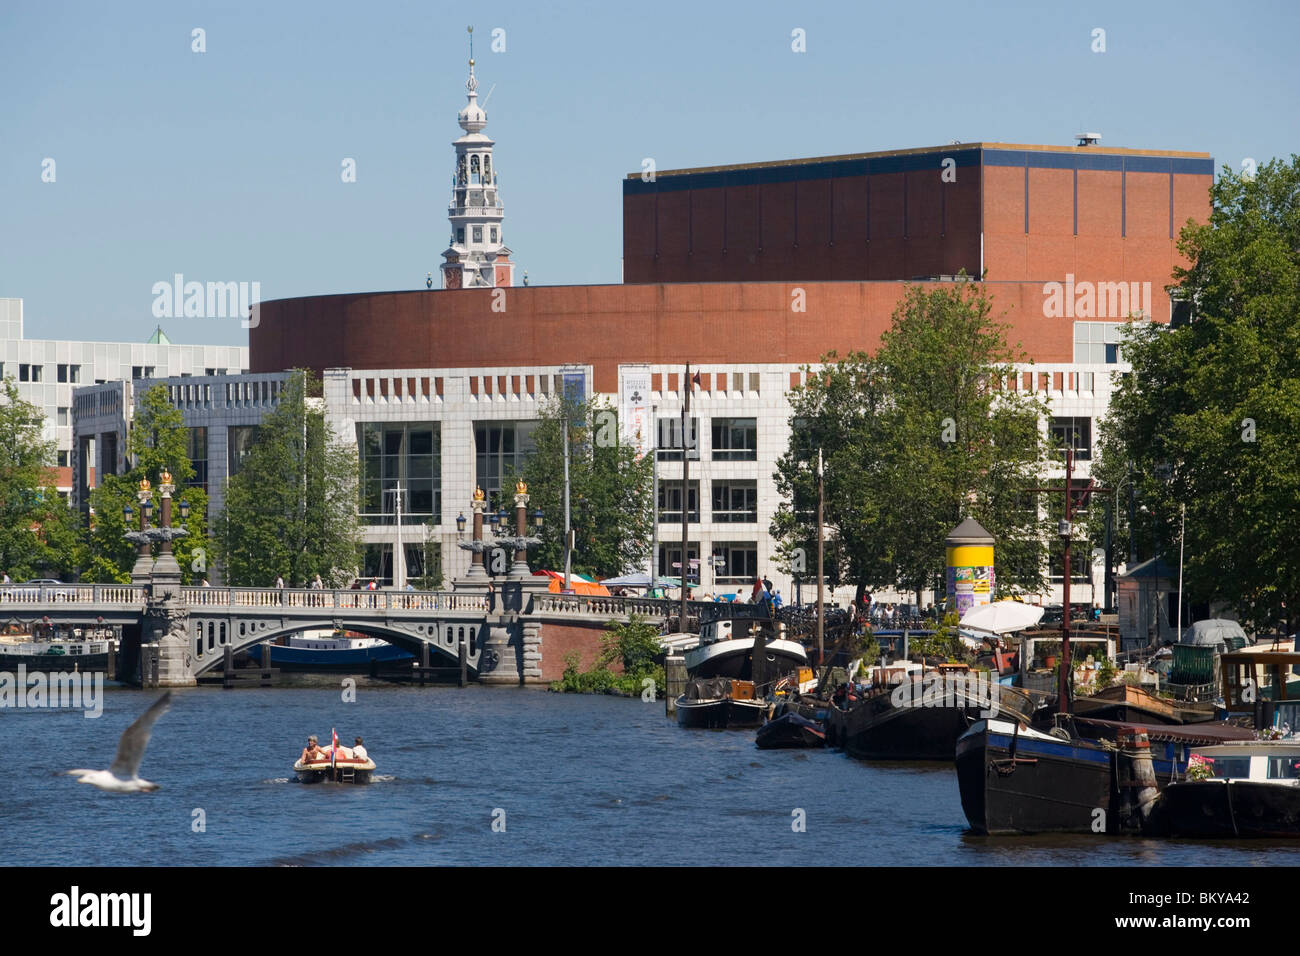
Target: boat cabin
1251, 760
1039, 656
1265, 682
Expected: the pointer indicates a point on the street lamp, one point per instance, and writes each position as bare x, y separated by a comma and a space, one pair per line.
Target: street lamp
460, 525
127, 514
185, 509
147, 505
537, 518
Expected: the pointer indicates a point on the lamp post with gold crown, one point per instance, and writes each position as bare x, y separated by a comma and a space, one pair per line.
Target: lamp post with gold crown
522, 539
166, 572
144, 556
164, 658
476, 576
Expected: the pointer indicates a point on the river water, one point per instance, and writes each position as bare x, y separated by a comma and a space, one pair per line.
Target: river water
571, 779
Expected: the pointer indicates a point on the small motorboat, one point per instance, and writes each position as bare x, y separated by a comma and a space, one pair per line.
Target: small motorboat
790, 730
720, 704
344, 767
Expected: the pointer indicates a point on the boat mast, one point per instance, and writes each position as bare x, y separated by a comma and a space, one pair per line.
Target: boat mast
686, 485
1067, 529
821, 563
654, 500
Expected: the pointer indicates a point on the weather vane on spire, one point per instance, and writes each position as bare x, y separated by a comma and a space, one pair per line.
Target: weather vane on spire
473, 83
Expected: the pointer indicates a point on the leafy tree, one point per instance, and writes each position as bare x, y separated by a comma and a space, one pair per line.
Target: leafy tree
915, 438
1209, 415
292, 509
431, 579
158, 442
609, 496
37, 530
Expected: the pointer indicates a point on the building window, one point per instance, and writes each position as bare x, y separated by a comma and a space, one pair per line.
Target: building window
735, 502
1097, 343
63, 459
62, 415
487, 169
196, 449
670, 502
501, 450
460, 235
24, 373
478, 234
1080, 573
735, 562
409, 455
1074, 433
473, 169
493, 232
670, 439
239, 442
74, 373
670, 560
735, 439
62, 373
107, 445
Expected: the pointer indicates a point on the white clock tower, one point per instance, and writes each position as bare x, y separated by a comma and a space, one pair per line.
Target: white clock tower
477, 256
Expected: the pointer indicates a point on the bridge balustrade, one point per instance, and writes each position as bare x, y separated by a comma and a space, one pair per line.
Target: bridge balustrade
310, 598
22, 594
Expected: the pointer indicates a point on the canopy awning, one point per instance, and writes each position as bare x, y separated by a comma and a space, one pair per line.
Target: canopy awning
577, 583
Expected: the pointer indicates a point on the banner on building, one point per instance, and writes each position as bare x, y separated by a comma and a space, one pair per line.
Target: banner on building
635, 408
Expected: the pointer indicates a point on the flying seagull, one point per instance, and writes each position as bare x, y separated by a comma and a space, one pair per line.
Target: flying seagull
122, 776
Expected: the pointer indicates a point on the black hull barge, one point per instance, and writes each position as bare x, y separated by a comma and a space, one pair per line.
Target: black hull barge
920, 718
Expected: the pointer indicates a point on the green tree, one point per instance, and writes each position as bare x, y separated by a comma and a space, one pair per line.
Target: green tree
292, 509
431, 578
158, 442
609, 496
37, 530
915, 438
1208, 416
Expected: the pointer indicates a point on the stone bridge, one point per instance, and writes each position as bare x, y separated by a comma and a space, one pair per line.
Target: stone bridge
516, 633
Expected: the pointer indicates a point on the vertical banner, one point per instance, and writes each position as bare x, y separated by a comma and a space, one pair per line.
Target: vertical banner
575, 386
635, 408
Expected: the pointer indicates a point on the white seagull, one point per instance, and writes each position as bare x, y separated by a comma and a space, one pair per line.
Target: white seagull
122, 776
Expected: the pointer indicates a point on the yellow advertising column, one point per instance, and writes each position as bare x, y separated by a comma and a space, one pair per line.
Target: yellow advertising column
970, 566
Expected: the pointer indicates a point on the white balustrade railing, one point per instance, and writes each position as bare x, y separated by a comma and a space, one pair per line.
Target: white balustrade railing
315, 599
36, 595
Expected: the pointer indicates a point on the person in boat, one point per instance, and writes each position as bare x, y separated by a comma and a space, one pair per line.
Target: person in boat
312, 751
359, 752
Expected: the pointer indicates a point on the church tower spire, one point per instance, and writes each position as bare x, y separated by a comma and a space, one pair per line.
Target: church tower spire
477, 256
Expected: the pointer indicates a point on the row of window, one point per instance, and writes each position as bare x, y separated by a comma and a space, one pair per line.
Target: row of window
734, 502
734, 439
400, 457
477, 233
730, 562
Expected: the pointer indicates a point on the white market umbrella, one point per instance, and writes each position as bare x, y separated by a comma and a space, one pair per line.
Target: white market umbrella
1002, 617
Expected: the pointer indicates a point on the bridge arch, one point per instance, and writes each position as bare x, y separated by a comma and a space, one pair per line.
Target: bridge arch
209, 637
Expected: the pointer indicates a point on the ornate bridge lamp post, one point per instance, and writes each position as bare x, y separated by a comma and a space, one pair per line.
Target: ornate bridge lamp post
144, 558
476, 576
165, 659
166, 572
521, 540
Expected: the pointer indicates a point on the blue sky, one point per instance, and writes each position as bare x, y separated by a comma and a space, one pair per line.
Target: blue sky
225, 165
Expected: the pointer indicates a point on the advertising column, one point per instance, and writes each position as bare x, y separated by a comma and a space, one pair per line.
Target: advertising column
970, 566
